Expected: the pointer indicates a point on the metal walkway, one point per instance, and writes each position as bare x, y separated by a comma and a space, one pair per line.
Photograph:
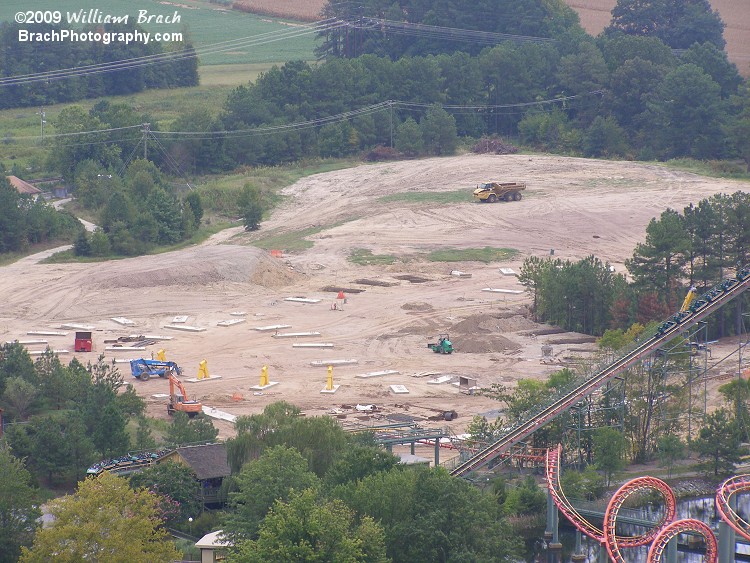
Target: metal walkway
706, 304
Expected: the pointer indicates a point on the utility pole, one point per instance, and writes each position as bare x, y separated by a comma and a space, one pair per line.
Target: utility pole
391, 105
42, 121
145, 132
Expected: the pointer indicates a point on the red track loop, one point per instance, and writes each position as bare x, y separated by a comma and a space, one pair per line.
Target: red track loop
678, 527
562, 503
614, 543
738, 484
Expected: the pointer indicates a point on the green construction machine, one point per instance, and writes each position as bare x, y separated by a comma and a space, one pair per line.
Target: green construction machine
443, 345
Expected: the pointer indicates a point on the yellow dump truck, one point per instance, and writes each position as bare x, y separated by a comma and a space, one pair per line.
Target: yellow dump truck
496, 191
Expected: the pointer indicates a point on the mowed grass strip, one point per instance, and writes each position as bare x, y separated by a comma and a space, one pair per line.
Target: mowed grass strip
487, 254
308, 10
364, 257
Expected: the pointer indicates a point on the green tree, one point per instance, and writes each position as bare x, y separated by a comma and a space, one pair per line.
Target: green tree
736, 395
250, 207
685, 115
658, 263
718, 443
428, 515
175, 480
82, 245
104, 520
307, 528
130, 403
357, 462
273, 476
12, 224
144, 439
195, 203
605, 138
586, 484
610, 446
100, 245
670, 449
109, 434
186, 430
439, 131
525, 499
19, 397
409, 138
319, 439
679, 23
18, 507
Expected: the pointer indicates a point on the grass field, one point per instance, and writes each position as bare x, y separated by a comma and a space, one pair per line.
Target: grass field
205, 23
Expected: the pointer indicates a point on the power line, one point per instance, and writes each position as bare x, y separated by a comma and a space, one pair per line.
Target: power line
136, 62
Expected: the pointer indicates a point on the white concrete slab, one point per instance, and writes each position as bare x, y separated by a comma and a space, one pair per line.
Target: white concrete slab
271, 327
496, 290
294, 334
124, 348
46, 333
75, 326
507, 271
238, 313
186, 328
377, 373
152, 336
230, 322
425, 373
302, 300
312, 345
123, 321
220, 415
26, 342
326, 363
262, 387
441, 379
205, 379
123, 360
160, 395
180, 319
40, 352
330, 391
399, 389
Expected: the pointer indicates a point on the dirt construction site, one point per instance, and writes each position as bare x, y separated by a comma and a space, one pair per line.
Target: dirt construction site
241, 308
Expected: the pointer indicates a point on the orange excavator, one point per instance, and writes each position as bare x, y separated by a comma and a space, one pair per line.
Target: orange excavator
178, 398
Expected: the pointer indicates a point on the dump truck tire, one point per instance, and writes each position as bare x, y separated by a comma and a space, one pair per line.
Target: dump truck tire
492, 198
517, 196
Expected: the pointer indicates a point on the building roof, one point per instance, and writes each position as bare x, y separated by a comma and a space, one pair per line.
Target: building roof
22, 186
207, 461
213, 540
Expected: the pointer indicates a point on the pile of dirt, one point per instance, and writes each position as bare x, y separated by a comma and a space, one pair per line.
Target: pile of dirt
493, 145
200, 266
483, 323
417, 306
484, 344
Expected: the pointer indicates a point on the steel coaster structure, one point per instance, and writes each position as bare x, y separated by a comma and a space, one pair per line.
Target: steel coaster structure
678, 323
734, 485
662, 531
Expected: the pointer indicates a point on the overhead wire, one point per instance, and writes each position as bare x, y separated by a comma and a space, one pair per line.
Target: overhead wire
172, 56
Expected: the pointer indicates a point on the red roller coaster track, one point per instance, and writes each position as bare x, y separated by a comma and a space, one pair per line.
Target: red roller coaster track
675, 325
734, 485
662, 532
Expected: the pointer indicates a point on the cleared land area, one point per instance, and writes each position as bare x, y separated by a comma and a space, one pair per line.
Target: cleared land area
575, 207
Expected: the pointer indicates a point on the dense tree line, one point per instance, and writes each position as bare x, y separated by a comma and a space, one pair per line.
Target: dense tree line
18, 58
616, 96
25, 221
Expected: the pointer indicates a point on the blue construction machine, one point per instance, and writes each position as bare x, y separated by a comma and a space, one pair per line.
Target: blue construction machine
144, 369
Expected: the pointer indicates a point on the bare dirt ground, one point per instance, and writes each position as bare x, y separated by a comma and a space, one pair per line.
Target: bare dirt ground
575, 207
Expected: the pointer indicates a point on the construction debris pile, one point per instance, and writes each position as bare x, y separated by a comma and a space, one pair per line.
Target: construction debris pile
493, 145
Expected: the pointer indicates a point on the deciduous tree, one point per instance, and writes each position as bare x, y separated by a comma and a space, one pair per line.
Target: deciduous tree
18, 507
105, 520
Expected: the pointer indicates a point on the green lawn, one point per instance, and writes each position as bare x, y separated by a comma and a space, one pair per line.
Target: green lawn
206, 24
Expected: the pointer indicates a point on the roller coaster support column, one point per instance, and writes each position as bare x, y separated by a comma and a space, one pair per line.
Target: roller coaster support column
672, 551
578, 555
437, 451
727, 537
551, 534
